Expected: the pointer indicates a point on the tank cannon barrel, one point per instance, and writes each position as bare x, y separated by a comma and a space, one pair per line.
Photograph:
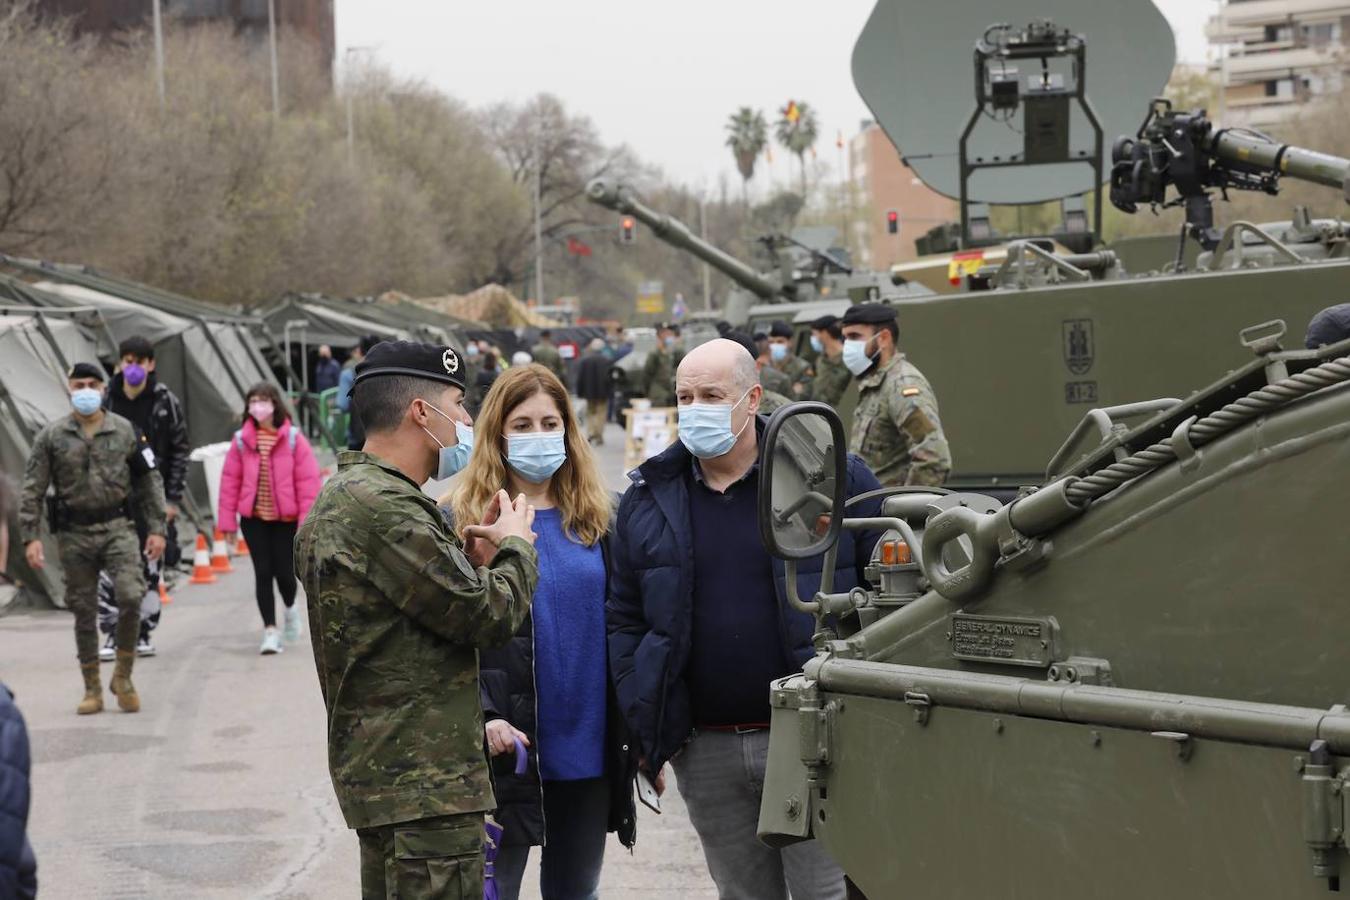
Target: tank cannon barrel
623, 199
1185, 151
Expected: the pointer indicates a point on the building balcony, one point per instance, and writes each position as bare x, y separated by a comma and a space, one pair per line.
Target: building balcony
1246, 21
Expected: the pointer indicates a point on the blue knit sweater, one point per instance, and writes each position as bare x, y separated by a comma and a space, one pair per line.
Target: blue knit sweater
569, 653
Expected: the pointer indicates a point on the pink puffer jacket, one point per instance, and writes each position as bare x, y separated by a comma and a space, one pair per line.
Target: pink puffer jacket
295, 476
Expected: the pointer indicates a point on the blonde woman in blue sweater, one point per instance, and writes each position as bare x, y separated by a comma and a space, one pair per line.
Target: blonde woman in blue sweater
562, 764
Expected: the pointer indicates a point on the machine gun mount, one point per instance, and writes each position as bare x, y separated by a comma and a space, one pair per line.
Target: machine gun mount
1184, 150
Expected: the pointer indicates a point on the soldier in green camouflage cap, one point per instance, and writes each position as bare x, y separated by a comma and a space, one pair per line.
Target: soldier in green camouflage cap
896, 429
659, 369
96, 464
398, 609
796, 371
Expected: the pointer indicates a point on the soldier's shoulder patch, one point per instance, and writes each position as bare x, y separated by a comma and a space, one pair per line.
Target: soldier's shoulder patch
911, 392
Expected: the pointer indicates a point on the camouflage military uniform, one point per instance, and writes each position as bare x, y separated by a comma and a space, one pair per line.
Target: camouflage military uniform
831, 381
798, 372
896, 429
659, 372
773, 380
397, 613
95, 480
548, 356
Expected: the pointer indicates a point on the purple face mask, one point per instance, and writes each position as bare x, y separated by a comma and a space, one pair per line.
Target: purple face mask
134, 374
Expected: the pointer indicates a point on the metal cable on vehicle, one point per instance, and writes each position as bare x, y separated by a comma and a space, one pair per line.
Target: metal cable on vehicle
1210, 428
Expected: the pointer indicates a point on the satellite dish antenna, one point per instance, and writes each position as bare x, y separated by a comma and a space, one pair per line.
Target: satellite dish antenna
913, 69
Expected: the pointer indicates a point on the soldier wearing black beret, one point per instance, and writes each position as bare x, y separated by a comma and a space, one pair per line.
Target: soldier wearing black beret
896, 428
398, 607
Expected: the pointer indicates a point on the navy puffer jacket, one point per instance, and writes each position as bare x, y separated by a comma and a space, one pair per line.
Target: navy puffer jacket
18, 867
649, 611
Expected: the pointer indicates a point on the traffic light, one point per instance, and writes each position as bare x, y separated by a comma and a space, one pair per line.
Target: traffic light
627, 230
892, 222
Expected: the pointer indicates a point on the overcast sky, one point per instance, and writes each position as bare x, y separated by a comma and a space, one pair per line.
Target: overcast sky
660, 77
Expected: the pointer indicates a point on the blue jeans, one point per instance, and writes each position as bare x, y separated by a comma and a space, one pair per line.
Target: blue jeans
720, 775
576, 819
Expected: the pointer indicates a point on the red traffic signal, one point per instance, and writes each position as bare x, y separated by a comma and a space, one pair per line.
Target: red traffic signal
627, 230
892, 221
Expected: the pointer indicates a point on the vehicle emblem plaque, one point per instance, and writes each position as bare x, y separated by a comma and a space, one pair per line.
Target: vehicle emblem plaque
1003, 639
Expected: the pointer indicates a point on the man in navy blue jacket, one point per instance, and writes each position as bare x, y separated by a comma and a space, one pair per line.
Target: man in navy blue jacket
699, 623
18, 868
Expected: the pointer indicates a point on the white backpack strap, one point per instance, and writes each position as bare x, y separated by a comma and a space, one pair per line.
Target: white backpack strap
290, 437
239, 440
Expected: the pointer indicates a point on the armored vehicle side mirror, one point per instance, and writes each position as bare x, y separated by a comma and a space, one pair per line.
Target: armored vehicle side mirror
802, 481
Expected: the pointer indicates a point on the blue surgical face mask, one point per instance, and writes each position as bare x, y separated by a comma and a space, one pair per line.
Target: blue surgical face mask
537, 455
778, 352
455, 457
471, 350
856, 357
705, 428
86, 400
816, 344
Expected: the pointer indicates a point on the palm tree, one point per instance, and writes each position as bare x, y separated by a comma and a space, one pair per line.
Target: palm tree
747, 134
797, 130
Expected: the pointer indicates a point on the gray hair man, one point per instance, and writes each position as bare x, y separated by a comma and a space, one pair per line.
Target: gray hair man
699, 623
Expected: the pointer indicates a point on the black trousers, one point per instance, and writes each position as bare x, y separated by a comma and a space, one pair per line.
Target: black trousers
271, 547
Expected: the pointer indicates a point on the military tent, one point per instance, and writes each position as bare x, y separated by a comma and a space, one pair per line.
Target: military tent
37, 348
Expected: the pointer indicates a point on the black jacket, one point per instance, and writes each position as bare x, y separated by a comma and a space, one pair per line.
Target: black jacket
593, 378
649, 610
159, 416
507, 689
18, 867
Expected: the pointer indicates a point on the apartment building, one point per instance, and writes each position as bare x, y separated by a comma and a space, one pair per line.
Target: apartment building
884, 183
1272, 56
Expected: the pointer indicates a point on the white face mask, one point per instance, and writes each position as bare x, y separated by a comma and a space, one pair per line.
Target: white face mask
705, 428
856, 357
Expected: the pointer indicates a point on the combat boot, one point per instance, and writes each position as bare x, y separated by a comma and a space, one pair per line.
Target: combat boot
121, 682
93, 691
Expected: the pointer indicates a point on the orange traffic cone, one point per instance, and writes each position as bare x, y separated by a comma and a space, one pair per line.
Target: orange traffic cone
220, 557
201, 563
241, 547
164, 598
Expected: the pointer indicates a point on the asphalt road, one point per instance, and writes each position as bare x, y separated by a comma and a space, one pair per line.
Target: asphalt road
219, 787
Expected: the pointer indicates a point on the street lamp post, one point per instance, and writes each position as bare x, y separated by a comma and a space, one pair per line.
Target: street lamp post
159, 51
539, 215
272, 41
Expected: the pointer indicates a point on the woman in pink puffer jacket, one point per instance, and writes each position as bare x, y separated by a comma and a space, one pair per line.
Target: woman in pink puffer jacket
270, 481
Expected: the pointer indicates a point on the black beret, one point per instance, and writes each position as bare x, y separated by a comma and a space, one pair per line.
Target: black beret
869, 314
86, 370
1329, 326
780, 329
434, 362
825, 323
745, 340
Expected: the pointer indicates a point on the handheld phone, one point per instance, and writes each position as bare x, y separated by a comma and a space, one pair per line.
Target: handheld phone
646, 789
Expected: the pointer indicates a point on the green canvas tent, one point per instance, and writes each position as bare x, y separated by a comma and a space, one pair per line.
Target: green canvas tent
37, 347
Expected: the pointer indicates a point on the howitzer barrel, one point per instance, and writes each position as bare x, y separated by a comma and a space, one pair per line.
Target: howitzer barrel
1245, 150
622, 199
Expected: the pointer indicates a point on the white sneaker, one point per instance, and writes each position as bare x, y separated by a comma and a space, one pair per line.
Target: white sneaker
108, 652
291, 626
144, 647
271, 642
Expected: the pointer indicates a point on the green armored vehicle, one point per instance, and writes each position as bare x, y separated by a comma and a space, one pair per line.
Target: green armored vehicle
1126, 680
